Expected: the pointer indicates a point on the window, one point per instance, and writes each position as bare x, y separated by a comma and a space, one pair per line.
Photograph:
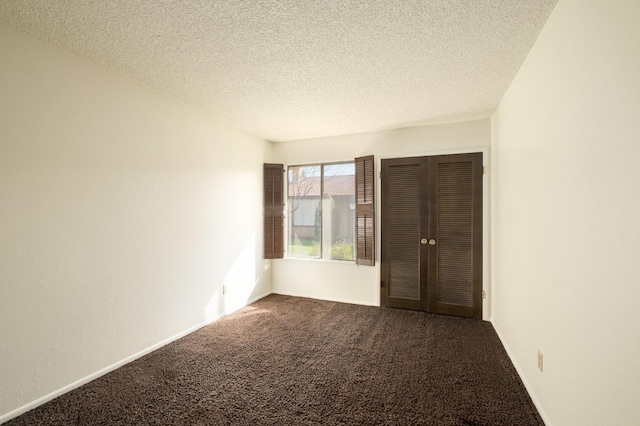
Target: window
322, 227
321, 211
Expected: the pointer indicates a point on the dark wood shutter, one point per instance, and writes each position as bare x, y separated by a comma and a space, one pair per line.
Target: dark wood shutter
273, 211
365, 211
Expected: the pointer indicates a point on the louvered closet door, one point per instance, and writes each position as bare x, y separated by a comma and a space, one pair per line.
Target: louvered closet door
432, 234
455, 223
403, 260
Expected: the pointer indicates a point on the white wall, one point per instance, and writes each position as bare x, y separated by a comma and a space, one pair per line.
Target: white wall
566, 209
344, 281
122, 214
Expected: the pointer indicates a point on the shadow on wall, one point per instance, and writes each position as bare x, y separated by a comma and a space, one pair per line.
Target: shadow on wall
246, 281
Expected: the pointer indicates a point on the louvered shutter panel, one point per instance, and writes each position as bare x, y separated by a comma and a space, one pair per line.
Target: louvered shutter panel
273, 211
365, 211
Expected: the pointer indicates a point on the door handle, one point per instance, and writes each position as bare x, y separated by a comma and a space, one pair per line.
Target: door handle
423, 241
432, 242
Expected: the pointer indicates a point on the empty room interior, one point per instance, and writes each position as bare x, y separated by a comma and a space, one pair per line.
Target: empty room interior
144, 145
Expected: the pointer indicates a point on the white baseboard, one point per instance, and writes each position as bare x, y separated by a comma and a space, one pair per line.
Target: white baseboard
255, 299
329, 299
527, 385
30, 406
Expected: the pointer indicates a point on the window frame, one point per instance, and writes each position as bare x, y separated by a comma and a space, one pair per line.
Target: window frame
289, 221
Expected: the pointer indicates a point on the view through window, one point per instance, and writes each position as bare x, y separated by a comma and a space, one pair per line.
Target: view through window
321, 211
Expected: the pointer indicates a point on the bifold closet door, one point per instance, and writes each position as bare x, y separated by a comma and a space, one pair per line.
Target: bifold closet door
403, 267
431, 241
455, 224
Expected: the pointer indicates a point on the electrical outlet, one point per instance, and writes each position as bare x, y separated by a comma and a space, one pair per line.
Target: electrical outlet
540, 361
224, 290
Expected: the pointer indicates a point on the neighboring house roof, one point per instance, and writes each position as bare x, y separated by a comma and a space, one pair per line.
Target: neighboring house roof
334, 185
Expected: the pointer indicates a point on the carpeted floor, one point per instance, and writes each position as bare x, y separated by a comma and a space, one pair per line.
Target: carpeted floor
292, 361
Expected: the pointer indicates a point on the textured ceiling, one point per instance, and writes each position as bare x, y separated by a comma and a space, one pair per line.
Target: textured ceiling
286, 70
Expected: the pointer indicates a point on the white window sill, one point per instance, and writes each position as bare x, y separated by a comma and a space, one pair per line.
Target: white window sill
311, 259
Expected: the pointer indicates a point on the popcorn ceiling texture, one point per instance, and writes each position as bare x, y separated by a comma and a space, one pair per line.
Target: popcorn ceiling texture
286, 70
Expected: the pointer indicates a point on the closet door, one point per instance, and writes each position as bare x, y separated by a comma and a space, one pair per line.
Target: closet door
431, 238
455, 235
403, 258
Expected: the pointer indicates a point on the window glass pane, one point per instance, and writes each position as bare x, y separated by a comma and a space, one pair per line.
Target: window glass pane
304, 211
338, 211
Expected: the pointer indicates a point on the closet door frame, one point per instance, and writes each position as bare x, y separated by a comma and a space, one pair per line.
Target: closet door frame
486, 219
